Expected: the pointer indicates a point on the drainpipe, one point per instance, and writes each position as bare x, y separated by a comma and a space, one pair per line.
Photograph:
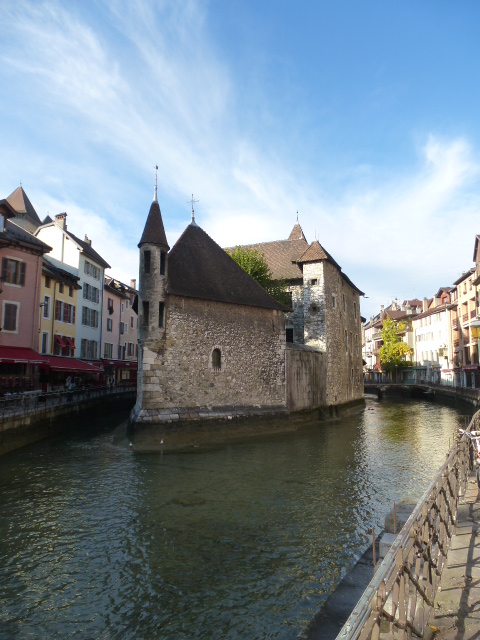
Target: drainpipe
53, 319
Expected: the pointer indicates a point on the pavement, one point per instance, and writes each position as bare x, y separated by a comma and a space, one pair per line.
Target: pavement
457, 604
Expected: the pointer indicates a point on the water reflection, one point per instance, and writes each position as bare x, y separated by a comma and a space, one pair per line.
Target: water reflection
243, 541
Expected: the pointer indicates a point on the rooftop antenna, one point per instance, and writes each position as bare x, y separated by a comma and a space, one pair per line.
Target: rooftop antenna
155, 192
192, 202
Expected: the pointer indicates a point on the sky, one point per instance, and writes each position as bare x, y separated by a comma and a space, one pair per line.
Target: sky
361, 115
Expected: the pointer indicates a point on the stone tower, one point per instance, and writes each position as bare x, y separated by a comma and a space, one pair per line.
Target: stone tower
153, 277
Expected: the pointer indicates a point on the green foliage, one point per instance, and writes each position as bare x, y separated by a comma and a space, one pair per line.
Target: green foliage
254, 263
394, 351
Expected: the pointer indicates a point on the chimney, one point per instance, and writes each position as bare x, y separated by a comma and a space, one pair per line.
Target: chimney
87, 240
133, 283
61, 220
425, 305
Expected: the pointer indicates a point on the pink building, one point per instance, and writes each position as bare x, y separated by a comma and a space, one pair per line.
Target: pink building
20, 279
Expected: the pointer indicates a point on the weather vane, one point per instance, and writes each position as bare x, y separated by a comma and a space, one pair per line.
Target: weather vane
155, 192
192, 202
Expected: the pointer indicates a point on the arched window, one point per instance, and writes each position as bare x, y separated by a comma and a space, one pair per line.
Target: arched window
216, 360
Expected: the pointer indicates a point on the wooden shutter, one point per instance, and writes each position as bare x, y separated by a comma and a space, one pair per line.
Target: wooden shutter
23, 269
4, 269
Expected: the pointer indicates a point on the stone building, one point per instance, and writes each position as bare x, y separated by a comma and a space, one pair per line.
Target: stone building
325, 312
211, 340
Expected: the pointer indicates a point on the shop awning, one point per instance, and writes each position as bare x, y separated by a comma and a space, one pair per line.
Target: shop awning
60, 341
12, 355
57, 363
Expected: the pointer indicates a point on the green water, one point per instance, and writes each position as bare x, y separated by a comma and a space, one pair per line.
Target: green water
243, 541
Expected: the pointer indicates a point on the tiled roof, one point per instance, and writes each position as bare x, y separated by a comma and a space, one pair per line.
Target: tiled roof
297, 233
14, 234
464, 276
154, 233
431, 312
20, 202
199, 268
281, 257
316, 252
87, 249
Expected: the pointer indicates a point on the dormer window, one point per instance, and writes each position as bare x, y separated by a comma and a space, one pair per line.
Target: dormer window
146, 261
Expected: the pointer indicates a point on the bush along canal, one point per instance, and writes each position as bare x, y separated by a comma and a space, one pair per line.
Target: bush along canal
238, 541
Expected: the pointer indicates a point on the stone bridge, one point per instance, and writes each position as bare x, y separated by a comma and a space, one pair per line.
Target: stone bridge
381, 389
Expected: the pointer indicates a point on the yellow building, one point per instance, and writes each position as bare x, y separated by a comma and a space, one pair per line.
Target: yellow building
58, 311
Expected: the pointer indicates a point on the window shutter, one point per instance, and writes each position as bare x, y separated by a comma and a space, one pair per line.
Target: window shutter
73, 314
58, 310
4, 268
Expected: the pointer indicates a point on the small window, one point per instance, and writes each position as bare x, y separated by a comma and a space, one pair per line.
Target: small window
216, 360
60, 287
10, 316
145, 313
355, 310
161, 310
46, 307
70, 291
162, 263
313, 282
346, 340
344, 302
47, 282
334, 301
146, 261
289, 334
313, 308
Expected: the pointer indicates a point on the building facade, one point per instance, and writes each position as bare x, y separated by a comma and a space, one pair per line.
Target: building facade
79, 258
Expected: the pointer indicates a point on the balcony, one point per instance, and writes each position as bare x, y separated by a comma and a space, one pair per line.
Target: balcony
455, 323
465, 318
473, 314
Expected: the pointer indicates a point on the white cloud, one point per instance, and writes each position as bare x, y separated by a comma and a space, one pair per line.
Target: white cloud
152, 87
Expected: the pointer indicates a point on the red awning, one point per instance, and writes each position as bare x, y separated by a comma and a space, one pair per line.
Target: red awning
60, 341
12, 355
57, 363
70, 342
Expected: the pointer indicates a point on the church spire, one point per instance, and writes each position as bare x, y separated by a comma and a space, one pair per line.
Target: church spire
155, 191
192, 202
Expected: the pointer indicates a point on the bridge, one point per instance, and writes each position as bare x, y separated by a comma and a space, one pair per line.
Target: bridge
380, 389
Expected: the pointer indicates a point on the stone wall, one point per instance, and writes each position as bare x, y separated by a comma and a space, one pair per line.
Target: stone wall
177, 379
314, 304
295, 318
343, 331
305, 371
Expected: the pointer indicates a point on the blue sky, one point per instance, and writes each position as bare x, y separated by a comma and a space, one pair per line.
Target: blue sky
363, 116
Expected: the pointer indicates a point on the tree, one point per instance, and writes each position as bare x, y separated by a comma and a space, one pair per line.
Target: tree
394, 351
254, 263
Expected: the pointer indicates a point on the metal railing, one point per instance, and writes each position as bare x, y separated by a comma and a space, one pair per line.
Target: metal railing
16, 405
398, 601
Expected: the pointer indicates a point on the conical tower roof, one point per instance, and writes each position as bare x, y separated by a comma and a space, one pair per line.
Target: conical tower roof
20, 202
154, 232
297, 233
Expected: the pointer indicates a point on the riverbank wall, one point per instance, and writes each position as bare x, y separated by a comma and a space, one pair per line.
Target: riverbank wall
229, 427
20, 426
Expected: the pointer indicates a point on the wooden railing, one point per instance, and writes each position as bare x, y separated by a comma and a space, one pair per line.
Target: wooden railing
400, 597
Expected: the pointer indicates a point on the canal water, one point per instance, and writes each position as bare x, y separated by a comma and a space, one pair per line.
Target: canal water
242, 541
